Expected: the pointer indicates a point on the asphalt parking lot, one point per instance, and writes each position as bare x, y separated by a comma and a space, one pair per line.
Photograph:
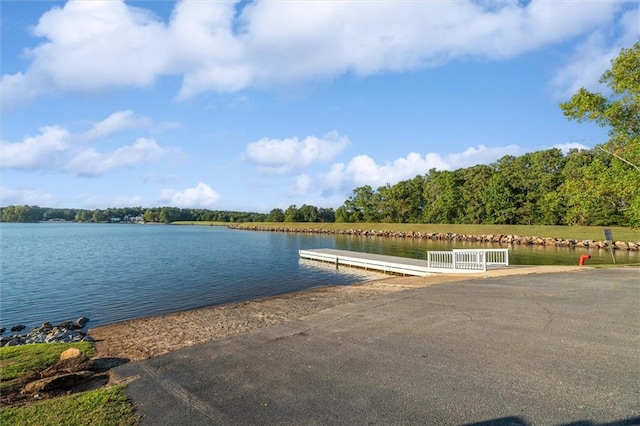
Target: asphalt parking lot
555, 348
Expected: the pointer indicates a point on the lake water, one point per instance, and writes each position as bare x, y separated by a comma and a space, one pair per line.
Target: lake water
110, 273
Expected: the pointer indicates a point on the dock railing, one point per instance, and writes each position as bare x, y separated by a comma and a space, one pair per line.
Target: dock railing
493, 256
467, 259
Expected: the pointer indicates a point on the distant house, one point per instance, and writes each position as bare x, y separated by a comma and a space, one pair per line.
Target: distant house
133, 219
115, 220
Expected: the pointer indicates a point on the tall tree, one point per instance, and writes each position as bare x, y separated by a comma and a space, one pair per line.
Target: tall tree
292, 214
362, 206
308, 213
276, 215
475, 180
619, 182
442, 197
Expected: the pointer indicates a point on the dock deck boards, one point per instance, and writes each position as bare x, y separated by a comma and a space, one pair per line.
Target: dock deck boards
379, 262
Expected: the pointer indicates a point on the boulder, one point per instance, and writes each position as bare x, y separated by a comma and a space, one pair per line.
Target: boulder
18, 327
81, 322
621, 245
70, 353
15, 342
66, 324
68, 365
58, 382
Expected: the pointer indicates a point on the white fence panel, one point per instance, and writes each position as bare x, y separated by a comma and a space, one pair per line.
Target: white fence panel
440, 259
492, 256
470, 259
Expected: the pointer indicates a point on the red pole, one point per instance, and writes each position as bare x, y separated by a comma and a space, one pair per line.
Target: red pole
583, 258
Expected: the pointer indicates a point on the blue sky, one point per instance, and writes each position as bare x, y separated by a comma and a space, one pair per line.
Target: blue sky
261, 104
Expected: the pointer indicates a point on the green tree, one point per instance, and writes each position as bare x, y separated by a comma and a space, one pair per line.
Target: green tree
618, 183
475, 181
309, 213
402, 202
326, 214
498, 201
362, 206
442, 197
83, 216
21, 214
342, 215
150, 215
292, 214
171, 214
98, 216
275, 215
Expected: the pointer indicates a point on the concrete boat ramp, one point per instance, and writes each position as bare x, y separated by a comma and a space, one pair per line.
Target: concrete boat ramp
455, 261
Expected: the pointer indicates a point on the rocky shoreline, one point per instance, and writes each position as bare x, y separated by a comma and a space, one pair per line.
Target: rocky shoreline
448, 236
65, 332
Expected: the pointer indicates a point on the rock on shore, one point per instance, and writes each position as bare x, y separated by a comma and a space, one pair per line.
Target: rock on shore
448, 236
65, 332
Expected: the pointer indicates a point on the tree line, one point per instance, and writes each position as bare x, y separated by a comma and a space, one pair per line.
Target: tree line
582, 187
157, 214
539, 188
25, 214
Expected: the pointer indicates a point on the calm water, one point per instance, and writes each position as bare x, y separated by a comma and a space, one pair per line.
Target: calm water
109, 273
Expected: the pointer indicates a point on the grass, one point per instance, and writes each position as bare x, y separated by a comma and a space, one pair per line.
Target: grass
17, 362
108, 406
203, 223
566, 232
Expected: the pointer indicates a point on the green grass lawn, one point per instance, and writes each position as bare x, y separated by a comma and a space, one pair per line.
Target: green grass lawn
106, 406
567, 232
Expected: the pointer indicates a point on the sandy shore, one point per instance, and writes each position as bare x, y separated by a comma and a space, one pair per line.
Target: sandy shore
154, 336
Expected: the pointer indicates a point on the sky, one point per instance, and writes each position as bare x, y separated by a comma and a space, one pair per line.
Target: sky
255, 105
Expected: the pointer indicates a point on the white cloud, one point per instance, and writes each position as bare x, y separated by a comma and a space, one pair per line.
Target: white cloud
41, 151
302, 186
117, 122
593, 57
284, 155
96, 46
93, 163
55, 148
363, 170
25, 196
566, 147
201, 195
480, 155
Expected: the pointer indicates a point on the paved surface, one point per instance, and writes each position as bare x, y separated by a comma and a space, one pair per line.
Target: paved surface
537, 349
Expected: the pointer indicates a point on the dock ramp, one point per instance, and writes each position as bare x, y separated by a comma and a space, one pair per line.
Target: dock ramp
456, 261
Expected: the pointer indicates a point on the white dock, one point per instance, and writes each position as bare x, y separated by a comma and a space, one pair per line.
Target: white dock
456, 261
